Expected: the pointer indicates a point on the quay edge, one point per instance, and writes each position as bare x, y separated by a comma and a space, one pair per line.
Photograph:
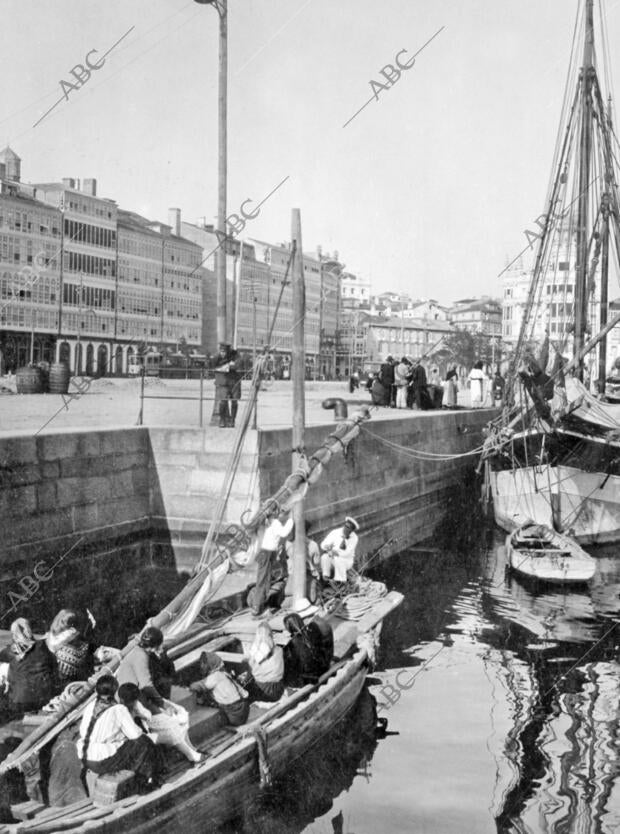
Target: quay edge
105, 492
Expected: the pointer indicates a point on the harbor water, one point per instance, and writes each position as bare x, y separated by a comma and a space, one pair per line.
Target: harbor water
502, 706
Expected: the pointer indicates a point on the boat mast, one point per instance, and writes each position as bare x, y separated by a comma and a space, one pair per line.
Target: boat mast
298, 373
605, 212
585, 154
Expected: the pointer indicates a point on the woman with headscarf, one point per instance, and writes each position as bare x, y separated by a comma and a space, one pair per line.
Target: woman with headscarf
74, 654
142, 667
266, 661
32, 672
219, 689
309, 652
110, 740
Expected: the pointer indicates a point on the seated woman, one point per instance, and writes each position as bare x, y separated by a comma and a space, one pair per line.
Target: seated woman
32, 672
309, 652
74, 654
110, 740
169, 730
266, 665
141, 666
219, 689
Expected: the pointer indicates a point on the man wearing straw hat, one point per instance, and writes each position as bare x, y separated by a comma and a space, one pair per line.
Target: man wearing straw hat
338, 550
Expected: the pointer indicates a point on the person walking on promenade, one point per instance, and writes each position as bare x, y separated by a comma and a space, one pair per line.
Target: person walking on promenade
273, 534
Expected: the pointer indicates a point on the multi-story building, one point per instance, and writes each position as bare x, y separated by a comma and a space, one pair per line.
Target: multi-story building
355, 289
86, 283
477, 315
88, 273
425, 308
418, 338
30, 254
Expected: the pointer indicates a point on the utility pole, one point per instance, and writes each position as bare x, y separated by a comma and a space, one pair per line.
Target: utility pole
221, 6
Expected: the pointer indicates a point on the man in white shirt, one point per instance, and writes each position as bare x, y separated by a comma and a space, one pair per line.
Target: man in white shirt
273, 534
338, 550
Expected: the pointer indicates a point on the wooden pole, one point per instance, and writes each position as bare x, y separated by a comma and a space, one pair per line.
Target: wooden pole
298, 371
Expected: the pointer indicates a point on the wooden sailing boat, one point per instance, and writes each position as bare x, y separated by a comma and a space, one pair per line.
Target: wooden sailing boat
238, 760
553, 456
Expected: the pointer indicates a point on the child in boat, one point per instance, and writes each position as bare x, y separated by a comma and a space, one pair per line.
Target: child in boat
266, 661
219, 689
110, 740
309, 652
166, 729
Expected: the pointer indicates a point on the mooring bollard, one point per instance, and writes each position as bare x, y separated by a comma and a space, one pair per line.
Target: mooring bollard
339, 406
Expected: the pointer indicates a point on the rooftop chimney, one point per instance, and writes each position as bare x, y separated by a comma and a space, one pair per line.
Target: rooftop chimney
201, 222
89, 186
68, 182
174, 221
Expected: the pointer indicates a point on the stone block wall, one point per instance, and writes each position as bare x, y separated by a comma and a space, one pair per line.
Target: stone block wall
60, 487
393, 478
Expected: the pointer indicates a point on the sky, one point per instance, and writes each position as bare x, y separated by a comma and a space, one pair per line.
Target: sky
427, 190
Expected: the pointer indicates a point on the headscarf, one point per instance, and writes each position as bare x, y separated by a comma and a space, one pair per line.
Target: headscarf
23, 639
263, 644
294, 624
64, 629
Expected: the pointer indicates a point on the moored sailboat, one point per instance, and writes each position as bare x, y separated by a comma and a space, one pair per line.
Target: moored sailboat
237, 760
554, 454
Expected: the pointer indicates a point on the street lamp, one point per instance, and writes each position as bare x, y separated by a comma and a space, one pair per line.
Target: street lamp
221, 6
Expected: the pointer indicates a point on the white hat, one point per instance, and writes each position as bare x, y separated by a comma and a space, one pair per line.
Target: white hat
304, 608
352, 522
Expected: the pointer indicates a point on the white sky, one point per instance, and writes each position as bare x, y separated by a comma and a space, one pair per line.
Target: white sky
427, 190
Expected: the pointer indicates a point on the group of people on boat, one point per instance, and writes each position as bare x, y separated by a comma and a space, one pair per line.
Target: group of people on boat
327, 562
131, 720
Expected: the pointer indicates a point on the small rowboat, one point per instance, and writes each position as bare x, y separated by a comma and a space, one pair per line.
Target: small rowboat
539, 552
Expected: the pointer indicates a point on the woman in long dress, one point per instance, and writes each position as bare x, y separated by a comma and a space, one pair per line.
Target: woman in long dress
476, 385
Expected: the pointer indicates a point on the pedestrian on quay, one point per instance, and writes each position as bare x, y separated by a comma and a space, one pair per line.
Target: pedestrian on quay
498, 389
274, 533
338, 550
450, 387
402, 374
418, 390
435, 388
476, 385
227, 385
386, 378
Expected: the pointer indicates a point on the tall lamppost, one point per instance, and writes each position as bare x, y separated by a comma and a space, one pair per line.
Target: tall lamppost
221, 6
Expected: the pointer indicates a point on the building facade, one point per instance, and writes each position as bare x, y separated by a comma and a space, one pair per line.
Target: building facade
86, 283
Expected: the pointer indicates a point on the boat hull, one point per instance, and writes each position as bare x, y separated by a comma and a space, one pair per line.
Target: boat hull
586, 503
216, 791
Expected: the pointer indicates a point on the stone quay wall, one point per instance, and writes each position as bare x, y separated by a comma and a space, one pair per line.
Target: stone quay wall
88, 491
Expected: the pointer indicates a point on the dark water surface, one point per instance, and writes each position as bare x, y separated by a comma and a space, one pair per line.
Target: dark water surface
502, 700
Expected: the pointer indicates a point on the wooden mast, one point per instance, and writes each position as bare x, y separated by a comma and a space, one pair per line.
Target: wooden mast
585, 150
298, 373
